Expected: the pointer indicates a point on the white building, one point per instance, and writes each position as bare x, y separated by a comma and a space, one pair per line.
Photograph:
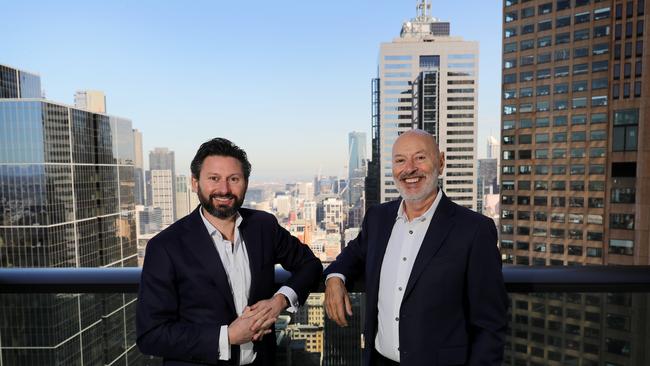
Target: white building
429, 80
90, 100
162, 194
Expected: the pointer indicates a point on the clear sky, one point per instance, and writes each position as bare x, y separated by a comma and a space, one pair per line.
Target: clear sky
285, 80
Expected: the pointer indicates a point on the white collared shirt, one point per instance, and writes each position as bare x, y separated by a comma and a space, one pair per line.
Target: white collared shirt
234, 258
403, 246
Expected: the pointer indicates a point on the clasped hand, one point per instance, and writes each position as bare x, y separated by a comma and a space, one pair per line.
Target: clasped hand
256, 320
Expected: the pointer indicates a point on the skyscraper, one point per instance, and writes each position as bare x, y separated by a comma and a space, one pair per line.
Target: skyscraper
428, 80
67, 200
162, 158
163, 195
139, 168
90, 100
574, 169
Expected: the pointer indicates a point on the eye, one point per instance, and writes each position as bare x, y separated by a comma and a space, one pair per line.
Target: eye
214, 178
421, 157
234, 179
398, 161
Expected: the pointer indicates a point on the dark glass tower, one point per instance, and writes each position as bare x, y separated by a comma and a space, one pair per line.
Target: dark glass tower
67, 200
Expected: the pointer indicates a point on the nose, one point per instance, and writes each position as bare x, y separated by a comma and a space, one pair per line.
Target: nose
222, 187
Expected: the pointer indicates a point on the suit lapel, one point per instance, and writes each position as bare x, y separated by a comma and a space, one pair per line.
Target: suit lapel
198, 241
439, 227
386, 223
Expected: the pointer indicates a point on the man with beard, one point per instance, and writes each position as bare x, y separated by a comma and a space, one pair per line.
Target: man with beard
207, 288
434, 288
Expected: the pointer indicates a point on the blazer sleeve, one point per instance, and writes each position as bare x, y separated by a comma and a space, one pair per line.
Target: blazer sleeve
488, 300
159, 330
297, 258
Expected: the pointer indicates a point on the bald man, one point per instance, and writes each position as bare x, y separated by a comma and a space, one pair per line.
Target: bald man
434, 288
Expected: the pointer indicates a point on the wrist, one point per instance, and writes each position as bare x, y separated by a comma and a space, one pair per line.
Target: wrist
282, 300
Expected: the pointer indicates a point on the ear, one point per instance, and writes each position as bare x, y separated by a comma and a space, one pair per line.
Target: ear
441, 163
195, 185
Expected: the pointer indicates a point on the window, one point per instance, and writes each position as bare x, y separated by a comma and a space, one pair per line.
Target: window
526, 92
526, 76
579, 102
598, 100
597, 152
578, 119
599, 84
545, 8
596, 169
544, 25
580, 35
541, 138
600, 49
525, 139
579, 52
579, 86
509, 32
543, 58
596, 186
579, 69
542, 90
563, 21
509, 78
525, 107
544, 42
527, 60
621, 221
561, 71
558, 185
602, 13
598, 118
577, 153
527, 28
559, 121
576, 186
508, 155
563, 4
510, 47
560, 105
559, 153
577, 169
625, 130
524, 154
580, 17
525, 123
543, 74
559, 137
597, 66
637, 68
601, 31
558, 202
541, 154
598, 135
563, 54
558, 169
619, 246
527, 12
561, 88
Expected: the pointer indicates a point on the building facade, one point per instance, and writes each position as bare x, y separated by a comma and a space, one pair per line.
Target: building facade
67, 200
428, 80
575, 171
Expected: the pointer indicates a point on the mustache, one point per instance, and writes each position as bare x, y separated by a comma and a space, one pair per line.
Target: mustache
226, 196
404, 176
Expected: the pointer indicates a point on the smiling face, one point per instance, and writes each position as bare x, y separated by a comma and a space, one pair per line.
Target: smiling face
416, 166
221, 186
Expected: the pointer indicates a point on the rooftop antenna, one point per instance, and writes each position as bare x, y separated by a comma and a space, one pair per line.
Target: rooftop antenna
421, 10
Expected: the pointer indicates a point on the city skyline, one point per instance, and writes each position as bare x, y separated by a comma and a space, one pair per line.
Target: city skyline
168, 65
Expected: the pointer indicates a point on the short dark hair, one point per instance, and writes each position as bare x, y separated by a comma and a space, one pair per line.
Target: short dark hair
219, 146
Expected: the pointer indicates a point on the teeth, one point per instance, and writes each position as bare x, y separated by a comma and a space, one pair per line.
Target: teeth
412, 180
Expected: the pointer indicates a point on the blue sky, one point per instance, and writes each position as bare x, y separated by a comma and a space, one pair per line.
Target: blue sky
286, 80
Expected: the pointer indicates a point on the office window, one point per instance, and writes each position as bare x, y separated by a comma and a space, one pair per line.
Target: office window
559, 121
559, 153
578, 119
563, 54
527, 12
562, 5
582, 17
599, 83
625, 130
527, 29
601, 31
560, 104
563, 21
545, 8
525, 92
579, 69
600, 49
580, 35
598, 118
544, 42
509, 32
579, 52
542, 122
598, 100
510, 47
602, 13
544, 25
579, 86
525, 123
562, 88
621, 221
579, 102
597, 66
561, 71
620, 246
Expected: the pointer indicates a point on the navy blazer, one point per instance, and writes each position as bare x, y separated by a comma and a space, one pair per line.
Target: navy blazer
185, 297
454, 306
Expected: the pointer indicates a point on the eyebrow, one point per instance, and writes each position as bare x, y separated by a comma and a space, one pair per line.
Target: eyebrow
417, 152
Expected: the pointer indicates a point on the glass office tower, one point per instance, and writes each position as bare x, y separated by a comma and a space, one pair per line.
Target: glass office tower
67, 200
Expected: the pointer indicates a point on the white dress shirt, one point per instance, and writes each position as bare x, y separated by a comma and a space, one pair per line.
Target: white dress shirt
234, 258
403, 246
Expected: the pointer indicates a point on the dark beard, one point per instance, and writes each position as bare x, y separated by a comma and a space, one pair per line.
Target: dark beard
222, 211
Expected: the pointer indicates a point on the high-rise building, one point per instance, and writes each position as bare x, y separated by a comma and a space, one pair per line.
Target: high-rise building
357, 171
486, 182
575, 172
162, 194
493, 148
162, 158
90, 100
183, 191
67, 200
139, 168
428, 80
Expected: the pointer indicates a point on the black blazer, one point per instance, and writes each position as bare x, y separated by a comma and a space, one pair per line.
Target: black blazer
184, 296
454, 306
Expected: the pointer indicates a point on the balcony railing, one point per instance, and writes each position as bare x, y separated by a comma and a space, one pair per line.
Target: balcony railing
518, 279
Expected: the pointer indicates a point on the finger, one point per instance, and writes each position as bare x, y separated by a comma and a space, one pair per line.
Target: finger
340, 311
348, 305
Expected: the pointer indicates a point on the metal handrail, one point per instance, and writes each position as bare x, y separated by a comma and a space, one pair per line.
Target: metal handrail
518, 279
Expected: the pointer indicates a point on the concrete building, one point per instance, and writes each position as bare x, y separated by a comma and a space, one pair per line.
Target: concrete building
90, 100
575, 171
161, 158
162, 194
183, 192
139, 168
429, 80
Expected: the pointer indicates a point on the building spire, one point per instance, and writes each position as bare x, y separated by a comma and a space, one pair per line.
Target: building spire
421, 10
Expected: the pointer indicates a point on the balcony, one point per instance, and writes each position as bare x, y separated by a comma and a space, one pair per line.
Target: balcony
594, 315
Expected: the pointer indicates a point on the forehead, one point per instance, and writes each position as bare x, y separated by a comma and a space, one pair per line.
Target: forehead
221, 165
410, 144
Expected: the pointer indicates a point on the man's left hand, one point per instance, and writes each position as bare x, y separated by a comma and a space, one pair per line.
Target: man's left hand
275, 305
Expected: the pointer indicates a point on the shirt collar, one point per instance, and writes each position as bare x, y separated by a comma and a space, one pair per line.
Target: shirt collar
427, 215
212, 230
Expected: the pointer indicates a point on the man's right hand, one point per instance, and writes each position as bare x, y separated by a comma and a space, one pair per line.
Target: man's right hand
240, 331
337, 301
